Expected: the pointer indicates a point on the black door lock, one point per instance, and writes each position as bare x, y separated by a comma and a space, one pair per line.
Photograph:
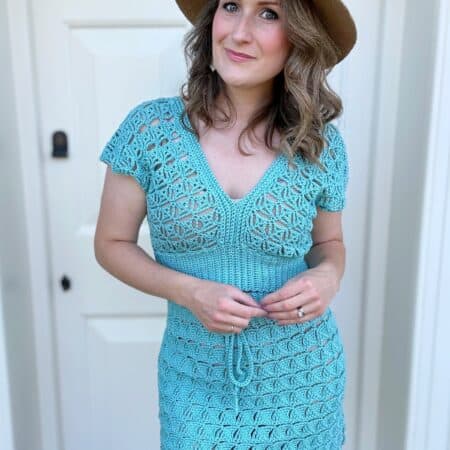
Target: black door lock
59, 145
65, 283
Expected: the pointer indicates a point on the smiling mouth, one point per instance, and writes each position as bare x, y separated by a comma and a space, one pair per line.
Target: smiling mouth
235, 56
242, 55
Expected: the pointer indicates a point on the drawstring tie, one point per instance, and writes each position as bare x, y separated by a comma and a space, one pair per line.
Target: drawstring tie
242, 346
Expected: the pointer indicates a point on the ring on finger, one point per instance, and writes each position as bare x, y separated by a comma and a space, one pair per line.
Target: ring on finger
232, 328
300, 312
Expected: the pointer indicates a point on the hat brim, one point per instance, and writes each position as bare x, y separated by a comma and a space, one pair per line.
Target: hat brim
334, 15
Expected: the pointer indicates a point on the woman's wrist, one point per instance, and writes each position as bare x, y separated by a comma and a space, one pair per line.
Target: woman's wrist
332, 270
185, 287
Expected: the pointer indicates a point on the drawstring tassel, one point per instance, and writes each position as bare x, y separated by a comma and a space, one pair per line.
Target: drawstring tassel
242, 345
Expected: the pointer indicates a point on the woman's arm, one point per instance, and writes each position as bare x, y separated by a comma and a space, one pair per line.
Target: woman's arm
122, 210
328, 250
131, 264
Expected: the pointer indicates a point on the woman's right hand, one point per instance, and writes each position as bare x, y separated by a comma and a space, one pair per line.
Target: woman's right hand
218, 306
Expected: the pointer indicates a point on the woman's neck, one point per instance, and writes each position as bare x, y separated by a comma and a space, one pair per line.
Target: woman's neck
245, 102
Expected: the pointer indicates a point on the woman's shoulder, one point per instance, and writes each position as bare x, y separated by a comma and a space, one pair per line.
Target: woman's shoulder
332, 134
335, 145
152, 119
160, 106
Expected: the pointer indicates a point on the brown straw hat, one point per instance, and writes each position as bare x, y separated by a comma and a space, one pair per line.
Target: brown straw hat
334, 15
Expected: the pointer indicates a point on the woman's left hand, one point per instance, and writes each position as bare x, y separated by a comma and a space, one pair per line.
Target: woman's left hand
312, 289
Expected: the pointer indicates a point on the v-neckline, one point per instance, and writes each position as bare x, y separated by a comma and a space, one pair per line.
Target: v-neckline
207, 170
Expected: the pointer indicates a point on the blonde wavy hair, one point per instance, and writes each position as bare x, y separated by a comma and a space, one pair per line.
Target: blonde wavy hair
302, 101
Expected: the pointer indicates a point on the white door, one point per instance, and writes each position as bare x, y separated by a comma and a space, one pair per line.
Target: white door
95, 61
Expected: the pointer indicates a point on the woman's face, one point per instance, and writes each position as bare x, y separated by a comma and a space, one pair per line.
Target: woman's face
255, 28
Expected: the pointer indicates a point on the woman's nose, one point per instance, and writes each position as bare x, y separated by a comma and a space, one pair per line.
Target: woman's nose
242, 29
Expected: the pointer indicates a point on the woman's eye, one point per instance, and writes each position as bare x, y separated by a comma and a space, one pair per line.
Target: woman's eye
267, 14
229, 6
272, 15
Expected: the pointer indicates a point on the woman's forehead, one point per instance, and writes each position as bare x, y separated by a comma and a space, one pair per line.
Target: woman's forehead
262, 2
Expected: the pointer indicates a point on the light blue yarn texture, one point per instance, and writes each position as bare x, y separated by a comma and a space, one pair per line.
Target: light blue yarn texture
270, 386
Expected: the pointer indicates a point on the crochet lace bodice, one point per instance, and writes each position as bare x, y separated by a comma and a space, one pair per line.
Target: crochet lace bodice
255, 241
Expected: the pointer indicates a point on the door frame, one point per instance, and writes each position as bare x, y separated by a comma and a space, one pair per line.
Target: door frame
19, 17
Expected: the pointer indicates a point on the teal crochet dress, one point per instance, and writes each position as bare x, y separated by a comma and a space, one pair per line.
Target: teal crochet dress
270, 386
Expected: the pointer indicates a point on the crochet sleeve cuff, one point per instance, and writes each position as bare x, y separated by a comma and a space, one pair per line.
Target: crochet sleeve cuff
335, 159
125, 151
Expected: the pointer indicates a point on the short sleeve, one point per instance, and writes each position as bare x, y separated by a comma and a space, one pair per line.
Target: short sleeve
125, 150
335, 180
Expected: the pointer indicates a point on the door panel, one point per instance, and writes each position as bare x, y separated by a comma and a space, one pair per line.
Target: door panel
95, 61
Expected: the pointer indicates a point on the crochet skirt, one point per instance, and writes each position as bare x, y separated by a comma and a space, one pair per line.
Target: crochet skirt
268, 387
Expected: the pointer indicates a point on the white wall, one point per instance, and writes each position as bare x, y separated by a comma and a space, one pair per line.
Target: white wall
429, 405
415, 97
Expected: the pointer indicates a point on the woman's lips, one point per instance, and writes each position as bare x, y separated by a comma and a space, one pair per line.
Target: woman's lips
238, 56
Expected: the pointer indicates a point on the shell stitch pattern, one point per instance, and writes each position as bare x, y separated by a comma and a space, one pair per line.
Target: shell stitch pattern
270, 386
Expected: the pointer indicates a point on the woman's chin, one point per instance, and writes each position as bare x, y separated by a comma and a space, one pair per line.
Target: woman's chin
239, 82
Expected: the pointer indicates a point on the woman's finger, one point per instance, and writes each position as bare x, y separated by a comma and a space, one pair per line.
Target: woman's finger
289, 304
244, 298
226, 328
247, 312
307, 308
303, 319
287, 315
230, 319
288, 290
232, 325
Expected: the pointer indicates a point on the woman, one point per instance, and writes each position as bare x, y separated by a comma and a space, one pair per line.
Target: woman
243, 181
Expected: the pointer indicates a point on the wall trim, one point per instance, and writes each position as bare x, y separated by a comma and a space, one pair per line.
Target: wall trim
391, 35
6, 436
429, 413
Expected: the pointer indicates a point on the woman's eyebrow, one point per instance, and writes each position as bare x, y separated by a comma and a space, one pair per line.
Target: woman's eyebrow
269, 3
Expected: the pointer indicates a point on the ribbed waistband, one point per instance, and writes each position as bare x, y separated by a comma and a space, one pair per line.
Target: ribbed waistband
239, 266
